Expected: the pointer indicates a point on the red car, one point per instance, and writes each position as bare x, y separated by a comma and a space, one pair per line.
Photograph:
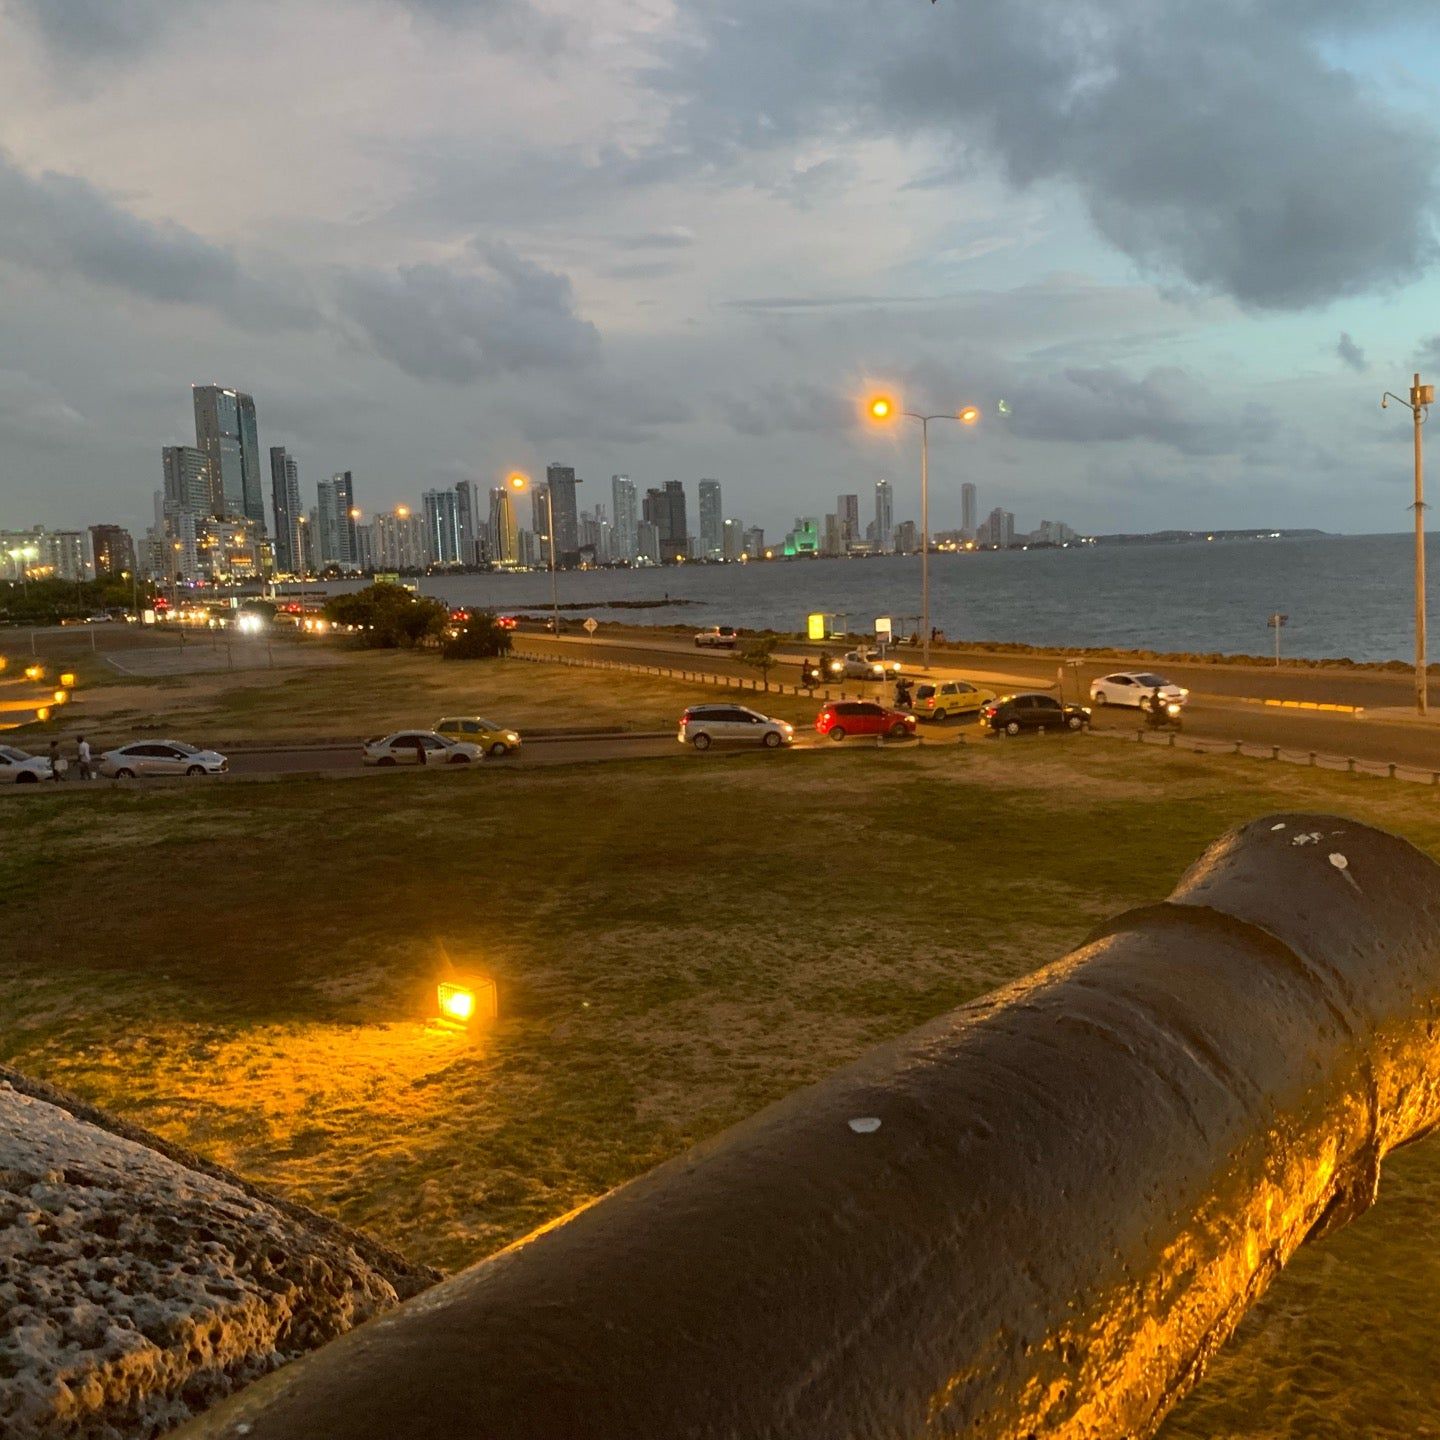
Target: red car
863, 717
507, 622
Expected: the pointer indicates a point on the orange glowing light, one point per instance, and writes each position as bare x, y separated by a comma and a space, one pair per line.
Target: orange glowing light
457, 1002
402, 511
61, 696
970, 415
462, 1002
68, 680
881, 408
34, 672
517, 480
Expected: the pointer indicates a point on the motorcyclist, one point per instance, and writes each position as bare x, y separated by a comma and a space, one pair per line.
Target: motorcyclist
809, 673
825, 663
902, 693
1157, 707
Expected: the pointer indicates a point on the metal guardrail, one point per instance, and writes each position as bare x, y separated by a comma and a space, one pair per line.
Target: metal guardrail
1039, 1215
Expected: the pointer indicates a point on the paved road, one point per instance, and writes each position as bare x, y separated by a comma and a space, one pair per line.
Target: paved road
1212, 713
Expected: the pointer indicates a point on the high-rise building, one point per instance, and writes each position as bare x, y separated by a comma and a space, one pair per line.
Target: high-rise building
847, 515
504, 538
755, 542
833, 541
732, 541
622, 493
225, 434
562, 482
398, 540
285, 503
647, 542
884, 517
187, 482
465, 498
712, 521
540, 522
365, 549
804, 539
337, 515
665, 510
113, 549
968, 512
233, 549
1000, 528
442, 526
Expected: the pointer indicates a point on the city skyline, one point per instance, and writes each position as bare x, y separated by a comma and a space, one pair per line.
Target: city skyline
527, 268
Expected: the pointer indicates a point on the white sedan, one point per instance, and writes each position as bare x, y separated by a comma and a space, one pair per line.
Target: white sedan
161, 757
18, 767
1134, 687
869, 665
420, 747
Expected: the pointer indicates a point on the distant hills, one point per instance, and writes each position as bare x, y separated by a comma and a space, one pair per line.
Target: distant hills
1176, 537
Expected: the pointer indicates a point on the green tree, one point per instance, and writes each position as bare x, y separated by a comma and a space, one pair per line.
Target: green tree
481, 637
388, 617
759, 654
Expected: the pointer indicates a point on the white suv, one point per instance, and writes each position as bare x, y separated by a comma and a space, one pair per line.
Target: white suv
724, 637
705, 725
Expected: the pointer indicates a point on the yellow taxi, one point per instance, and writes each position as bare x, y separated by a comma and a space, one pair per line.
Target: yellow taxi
940, 699
493, 739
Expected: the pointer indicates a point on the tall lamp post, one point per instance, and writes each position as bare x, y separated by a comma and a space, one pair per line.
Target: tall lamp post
301, 521
882, 410
1419, 403
519, 483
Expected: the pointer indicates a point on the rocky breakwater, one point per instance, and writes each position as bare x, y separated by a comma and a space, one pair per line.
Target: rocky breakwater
139, 1284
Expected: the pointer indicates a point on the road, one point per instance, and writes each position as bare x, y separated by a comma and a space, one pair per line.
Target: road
1216, 709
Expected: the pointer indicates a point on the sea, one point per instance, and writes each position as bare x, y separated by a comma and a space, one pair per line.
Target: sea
1342, 596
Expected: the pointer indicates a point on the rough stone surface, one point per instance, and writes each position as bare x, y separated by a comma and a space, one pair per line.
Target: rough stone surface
137, 1289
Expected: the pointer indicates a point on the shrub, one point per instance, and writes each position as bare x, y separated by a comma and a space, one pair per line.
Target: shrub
480, 637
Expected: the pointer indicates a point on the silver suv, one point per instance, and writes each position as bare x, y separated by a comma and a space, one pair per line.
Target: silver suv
705, 725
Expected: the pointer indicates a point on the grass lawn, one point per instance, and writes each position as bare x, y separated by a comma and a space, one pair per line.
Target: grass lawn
352, 694
247, 969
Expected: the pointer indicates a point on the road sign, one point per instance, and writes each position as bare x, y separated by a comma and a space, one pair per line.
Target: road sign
883, 629
591, 625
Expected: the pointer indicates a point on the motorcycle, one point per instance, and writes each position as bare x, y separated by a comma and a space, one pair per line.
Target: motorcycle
1164, 717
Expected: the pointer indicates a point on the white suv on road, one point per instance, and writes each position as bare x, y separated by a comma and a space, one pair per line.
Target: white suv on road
723, 637
705, 725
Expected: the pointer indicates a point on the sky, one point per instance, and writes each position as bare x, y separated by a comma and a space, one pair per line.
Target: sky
1188, 245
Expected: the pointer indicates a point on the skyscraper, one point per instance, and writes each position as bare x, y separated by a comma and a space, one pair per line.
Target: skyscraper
504, 538
847, 516
285, 501
665, 510
622, 492
442, 525
968, 512
884, 517
712, 521
469, 534
562, 482
540, 522
335, 499
187, 483
225, 433
733, 540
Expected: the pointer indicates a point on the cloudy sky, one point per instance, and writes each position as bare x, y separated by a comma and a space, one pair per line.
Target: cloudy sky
1190, 244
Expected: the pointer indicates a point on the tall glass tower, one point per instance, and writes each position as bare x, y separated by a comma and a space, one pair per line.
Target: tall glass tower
226, 434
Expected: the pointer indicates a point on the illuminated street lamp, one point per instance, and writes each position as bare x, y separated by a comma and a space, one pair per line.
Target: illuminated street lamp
883, 410
519, 483
23, 554
1419, 403
301, 520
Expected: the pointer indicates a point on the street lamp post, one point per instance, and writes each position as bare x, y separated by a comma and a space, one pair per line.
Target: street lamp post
300, 522
1421, 398
882, 409
519, 484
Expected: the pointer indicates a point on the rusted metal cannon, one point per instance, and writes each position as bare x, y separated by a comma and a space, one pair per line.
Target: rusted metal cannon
1036, 1217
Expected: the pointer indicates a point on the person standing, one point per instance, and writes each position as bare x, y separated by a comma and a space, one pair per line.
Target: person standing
82, 755
57, 761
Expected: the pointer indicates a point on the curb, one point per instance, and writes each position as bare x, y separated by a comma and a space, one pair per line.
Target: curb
1319, 705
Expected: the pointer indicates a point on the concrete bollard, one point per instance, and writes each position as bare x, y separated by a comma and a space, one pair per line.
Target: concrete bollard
1036, 1216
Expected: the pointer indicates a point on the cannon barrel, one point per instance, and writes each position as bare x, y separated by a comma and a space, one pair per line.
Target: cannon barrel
1038, 1216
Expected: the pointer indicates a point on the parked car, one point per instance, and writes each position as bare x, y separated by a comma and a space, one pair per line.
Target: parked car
938, 700
722, 637
18, 767
160, 757
863, 717
420, 747
493, 739
869, 665
705, 725
1029, 711
1134, 687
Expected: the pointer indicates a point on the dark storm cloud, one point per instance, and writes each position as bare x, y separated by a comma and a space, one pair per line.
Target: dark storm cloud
88, 29
1213, 142
441, 322
1350, 353
66, 227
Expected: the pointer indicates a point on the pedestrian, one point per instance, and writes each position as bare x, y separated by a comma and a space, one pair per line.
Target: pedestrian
57, 761
82, 755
